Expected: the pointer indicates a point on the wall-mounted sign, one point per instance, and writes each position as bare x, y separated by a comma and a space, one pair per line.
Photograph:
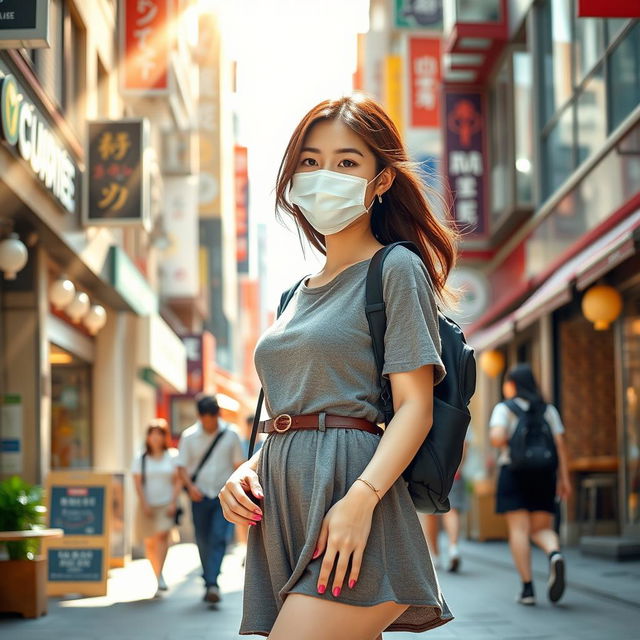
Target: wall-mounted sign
465, 158
418, 14
11, 433
79, 502
28, 133
426, 81
242, 208
24, 23
608, 9
474, 287
146, 45
117, 179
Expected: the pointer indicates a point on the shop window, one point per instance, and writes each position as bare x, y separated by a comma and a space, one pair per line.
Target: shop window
588, 45
624, 74
631, 405
523, 129
614, 27
591, 107
501, 195
70, 410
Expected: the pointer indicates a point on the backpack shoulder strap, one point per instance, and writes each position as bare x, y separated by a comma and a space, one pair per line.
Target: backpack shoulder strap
377, 318
515, 407
285, 299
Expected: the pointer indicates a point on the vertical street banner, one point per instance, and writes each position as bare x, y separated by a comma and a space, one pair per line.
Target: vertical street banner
242, 208
426, 81
465, 159
117, 189
418, 14
180, 265
145, 32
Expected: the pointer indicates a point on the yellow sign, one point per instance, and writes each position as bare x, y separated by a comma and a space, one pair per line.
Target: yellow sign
393, 90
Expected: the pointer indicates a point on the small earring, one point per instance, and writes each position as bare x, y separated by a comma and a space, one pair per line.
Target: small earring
380, 198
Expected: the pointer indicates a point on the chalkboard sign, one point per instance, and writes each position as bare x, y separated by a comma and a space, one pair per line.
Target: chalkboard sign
78, 510
75, 565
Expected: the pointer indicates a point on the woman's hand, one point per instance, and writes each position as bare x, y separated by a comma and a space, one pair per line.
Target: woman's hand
343, 537
563, 489
171, 509
237, 506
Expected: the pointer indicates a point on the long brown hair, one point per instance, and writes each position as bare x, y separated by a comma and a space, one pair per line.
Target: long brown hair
404, 213
161, 425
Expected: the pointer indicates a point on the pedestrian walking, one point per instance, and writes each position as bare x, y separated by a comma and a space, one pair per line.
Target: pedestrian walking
335, 547
158, 485
209, 451
532, 472
450, 522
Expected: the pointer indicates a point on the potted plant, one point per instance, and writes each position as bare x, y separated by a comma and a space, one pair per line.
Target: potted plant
23, 578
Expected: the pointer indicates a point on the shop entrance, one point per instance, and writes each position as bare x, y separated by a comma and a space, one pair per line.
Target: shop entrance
70, 410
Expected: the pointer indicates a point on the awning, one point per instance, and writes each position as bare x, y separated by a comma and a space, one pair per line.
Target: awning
493, 336
617, 245
606, 252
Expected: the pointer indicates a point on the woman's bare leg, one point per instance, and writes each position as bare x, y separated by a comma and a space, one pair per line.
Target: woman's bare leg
542, 532
326, 619
430, 527
519, 530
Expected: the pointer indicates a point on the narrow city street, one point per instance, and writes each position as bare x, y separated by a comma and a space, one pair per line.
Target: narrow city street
481, 597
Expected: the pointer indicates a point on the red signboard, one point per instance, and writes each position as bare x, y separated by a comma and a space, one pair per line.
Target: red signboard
466, 161
146, 45
426, 81
242, 209
608, 9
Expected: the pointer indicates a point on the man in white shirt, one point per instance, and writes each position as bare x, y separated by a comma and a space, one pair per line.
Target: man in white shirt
210, 476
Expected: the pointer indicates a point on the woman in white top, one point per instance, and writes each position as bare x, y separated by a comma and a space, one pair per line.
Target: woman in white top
158, 485
527, 496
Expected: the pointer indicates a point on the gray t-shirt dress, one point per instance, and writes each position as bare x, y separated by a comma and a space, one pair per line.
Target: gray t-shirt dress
317, 357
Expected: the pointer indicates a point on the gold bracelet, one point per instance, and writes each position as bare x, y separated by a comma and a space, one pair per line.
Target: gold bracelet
370, 487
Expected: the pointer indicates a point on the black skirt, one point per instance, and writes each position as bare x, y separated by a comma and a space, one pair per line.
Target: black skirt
528, 490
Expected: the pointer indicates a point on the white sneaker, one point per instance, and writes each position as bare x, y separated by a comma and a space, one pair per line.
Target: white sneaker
454, 563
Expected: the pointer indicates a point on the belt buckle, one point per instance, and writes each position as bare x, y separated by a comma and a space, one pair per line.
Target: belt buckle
282, 416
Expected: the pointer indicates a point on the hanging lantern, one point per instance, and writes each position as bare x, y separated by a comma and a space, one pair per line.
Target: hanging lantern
95, 319
13, 255
601, 304
78, 307
61, 292
492, 362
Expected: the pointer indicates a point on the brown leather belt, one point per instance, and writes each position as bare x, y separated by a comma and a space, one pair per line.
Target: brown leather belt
284, 422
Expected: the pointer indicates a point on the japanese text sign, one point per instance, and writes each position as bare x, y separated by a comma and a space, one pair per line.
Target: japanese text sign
466, 166
426, 81
117, 176
146, 45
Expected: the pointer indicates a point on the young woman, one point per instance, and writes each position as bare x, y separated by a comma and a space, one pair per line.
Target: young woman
155, 475
335, 547
527, 498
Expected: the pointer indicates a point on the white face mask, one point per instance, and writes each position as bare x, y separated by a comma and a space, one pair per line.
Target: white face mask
329, 200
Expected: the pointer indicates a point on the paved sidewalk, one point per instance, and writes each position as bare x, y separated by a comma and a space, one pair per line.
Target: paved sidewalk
481, 597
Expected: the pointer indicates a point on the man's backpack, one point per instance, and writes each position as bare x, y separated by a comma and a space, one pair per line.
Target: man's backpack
430, 474
532, 446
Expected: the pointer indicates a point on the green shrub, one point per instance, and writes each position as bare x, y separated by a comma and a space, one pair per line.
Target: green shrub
21, 509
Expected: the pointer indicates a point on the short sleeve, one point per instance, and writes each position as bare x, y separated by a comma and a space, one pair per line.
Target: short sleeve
136, 464
499, 416
182, 457
173, 457
552, 416
412, 337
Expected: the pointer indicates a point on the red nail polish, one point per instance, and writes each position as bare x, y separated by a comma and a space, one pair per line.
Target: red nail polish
351, 584
336, 592
316, 553
252, 524
322, 588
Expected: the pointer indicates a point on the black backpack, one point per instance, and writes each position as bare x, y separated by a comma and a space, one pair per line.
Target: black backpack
532, 446
430, 474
